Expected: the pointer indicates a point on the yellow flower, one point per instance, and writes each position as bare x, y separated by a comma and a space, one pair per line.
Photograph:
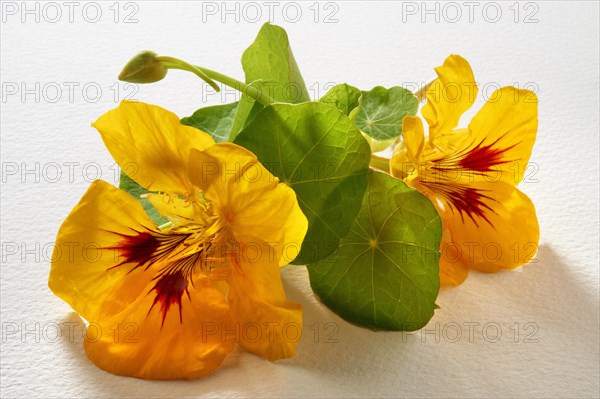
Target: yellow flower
470, 174
171, 303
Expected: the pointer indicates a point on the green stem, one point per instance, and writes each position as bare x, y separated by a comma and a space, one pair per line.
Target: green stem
176, 63
380, 163
209, 75
251, 91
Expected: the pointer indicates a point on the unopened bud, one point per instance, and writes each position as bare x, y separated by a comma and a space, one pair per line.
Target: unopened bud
143, 68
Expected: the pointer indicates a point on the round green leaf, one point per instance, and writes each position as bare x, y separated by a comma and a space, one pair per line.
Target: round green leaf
385, 273
319, 153
382, 110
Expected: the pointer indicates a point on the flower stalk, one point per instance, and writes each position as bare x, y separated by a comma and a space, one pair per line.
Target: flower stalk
148, 67
380, 163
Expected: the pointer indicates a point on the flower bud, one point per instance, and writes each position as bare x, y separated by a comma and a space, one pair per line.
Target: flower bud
143, 68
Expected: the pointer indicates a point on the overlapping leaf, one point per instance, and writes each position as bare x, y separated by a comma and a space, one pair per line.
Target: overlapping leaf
382, 110
343, 97
247, 109
385, 273
216, 120
271, 60
320, 153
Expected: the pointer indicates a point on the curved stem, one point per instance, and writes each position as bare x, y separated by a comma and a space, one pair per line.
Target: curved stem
251, 91
176, 63
209, 76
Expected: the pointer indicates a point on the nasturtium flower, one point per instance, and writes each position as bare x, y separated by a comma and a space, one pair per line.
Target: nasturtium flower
470, 174
169, 302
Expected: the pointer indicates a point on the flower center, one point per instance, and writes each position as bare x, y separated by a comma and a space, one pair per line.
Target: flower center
178, 256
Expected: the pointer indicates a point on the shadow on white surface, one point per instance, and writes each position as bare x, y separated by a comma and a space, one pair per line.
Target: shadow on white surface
548, 285
337, 359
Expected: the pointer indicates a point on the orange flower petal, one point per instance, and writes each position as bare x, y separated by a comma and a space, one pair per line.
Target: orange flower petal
141, 344
452, 273
272, 324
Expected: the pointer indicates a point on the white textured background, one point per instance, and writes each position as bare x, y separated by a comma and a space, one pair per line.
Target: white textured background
369, 45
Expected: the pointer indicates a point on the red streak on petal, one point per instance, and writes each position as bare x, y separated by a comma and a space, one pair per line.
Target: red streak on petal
467, 201
169, 289
483, 158
143, 249
476, 158
138, 249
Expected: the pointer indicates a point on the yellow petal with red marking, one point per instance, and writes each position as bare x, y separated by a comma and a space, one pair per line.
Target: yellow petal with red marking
136, 343
492, 226
162, 302
83, 271
470, 174
503, 133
